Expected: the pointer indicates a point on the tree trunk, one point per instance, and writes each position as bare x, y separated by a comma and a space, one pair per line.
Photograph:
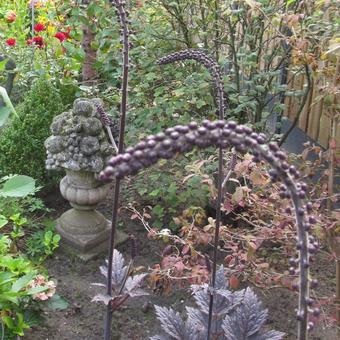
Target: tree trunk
89, 74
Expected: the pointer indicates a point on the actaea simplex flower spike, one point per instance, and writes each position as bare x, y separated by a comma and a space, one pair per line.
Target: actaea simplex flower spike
183, 138
122, 15
209, 63
214, 69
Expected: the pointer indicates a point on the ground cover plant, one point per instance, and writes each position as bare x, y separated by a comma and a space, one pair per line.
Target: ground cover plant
24, 285
238, 314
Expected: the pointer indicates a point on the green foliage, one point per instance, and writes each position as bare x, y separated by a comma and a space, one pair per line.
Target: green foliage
42, 244
168, 193
22, 142
16, 292
19, 219
18, 186
21, 279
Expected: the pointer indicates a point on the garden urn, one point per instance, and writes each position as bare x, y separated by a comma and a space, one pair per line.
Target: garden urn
79, 146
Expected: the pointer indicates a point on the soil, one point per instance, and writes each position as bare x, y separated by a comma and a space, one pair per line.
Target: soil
136, 320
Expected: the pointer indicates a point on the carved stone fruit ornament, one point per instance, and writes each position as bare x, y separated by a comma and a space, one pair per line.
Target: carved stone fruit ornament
79, 145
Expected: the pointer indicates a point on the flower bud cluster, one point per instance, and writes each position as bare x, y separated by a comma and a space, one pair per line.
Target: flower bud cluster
124, 21
207, 62
104, 117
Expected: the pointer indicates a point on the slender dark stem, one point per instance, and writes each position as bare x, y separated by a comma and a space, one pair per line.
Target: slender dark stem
303, 259
123, 108
108, 320
303, 103
216, 28
221, 109
217, 233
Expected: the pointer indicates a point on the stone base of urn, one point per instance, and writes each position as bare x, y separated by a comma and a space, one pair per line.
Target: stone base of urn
84, 231
85, 247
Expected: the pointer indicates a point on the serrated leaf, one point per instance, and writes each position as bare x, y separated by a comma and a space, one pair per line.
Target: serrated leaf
197, 317
118, 268
134, 282
270, 335
239, 314
221, 282
171, 322
247, 319
105, 298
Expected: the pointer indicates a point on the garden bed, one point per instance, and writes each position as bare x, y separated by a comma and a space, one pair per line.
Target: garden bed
84, 319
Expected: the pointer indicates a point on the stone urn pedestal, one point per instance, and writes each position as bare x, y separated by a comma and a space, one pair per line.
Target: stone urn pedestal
84, 231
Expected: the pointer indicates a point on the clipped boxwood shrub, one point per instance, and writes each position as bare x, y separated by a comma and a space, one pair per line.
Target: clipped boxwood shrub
22, 141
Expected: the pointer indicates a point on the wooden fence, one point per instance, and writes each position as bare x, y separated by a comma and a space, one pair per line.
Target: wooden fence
319, 118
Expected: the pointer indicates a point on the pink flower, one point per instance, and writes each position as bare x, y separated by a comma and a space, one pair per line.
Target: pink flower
11, 16
39, 27
40, 281
11, 42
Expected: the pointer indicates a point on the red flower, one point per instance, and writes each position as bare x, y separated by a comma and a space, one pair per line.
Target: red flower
29, 41
39, 41
11, 16
39, 27
11, 42
61, 36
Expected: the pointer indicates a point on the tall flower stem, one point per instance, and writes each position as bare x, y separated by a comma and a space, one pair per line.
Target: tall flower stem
215, 72
122, 16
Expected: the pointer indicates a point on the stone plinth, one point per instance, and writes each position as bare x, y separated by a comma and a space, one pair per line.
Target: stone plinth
84, 231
